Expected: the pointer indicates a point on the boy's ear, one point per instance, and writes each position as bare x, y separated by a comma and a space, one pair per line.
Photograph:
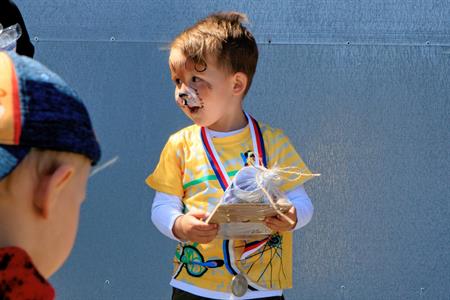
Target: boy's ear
49, 187
240, 81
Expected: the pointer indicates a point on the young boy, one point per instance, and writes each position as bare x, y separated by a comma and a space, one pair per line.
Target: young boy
47, 147
212, 65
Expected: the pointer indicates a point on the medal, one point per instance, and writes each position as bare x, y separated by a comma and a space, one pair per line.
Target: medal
239, 285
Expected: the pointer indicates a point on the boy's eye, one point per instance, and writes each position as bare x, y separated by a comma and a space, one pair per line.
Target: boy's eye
195, 79
177, 81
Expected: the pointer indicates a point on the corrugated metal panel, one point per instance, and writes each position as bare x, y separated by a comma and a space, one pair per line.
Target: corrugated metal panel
373, 117
325, 21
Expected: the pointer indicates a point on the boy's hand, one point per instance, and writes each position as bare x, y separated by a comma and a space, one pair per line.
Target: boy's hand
191, 227
278, 224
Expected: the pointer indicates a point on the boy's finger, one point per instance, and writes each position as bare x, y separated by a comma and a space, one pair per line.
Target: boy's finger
276, 221
198, 214
203, 231
205, 237
275, 224
205, 234
200, 225
278, 228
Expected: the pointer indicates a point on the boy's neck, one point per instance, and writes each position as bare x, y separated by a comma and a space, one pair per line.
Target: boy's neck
235, 122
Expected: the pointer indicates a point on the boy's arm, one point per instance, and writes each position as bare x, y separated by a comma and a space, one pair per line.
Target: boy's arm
282, 154
301, 212
303, 206
168, 217
165, 210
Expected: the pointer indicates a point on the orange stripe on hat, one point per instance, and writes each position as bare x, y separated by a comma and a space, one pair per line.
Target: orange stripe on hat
10, 116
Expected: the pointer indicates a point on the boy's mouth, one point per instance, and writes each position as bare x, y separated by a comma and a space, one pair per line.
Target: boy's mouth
194, 110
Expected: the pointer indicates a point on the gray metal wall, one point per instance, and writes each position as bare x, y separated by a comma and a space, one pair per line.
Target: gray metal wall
361, 87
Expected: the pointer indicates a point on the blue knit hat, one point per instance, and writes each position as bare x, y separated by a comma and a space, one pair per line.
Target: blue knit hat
39, 110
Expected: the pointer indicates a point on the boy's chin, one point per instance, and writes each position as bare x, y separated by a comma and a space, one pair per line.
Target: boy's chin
199, 121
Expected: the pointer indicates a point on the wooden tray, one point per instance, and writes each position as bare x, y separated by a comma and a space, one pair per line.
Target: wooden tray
245, 212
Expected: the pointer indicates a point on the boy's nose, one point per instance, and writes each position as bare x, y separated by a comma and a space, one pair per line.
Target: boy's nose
184, 97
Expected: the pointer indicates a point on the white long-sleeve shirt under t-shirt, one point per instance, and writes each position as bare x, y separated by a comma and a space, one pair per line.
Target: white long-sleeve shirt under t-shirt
167, 208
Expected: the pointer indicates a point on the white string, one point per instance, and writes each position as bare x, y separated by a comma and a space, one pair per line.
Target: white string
257, 184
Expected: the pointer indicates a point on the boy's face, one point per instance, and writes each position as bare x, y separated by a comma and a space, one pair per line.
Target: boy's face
65, 214
203, 94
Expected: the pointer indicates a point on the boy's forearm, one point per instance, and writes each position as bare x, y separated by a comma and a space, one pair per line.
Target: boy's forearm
166, 210
303, 206
177, 229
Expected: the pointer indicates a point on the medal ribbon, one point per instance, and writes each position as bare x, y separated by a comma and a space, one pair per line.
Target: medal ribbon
224, 179
214, 159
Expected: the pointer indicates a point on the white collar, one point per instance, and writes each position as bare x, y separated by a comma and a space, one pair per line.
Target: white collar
221, 134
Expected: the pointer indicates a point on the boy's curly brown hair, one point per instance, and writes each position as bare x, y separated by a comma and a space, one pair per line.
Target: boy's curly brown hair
220, 36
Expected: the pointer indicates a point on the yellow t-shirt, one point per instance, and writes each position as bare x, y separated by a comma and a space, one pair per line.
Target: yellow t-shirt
184, 171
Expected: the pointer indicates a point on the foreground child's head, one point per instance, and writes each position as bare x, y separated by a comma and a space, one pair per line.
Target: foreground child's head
47, 147
212, 65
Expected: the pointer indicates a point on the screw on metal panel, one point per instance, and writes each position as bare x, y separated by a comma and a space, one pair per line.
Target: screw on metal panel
422, 292
36, 39
342, 292
269, 41
427, 42
348, 43
112, 39
107, 282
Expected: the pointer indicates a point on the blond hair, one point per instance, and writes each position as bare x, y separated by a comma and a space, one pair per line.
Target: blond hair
42, 162
222, 37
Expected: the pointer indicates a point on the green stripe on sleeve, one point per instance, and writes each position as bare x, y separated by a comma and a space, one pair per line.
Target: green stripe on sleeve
206, 178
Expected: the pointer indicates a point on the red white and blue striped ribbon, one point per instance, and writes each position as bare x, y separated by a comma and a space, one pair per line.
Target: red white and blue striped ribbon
224, 181
253, 247
214, 159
